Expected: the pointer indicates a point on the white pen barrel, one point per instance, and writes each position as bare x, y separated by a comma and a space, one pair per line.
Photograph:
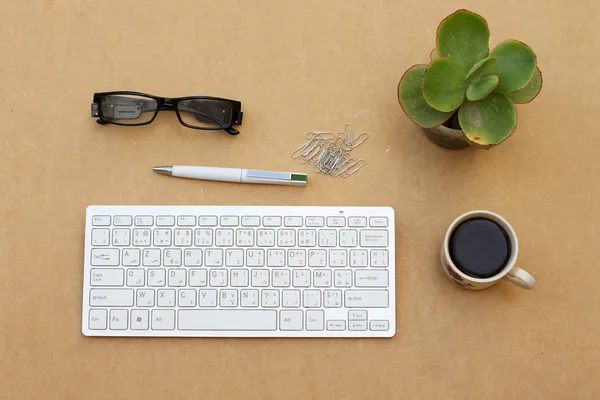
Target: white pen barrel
209, 173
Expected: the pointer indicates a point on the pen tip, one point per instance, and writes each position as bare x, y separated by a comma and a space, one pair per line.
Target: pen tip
163, 170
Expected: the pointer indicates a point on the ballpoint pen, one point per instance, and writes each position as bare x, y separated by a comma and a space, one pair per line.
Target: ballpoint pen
234, 175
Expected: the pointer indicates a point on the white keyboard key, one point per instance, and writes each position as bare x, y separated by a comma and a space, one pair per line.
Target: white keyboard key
234, 257
106, 277
144, 220
163, 320
118, 320
244, 237
290, 298
105, 257
286, 237
172, 257
230, 220
162, 237
270, 298
378, 222
142, 237
359, 258
192, 258
307, 238
260, 278
357, 325
151, 257
336, 221
317, 258
371, 278
373, 238
357, 315
272, 221
166, 298
342, 278
316, 222
186, 298
224, 237
218, 277
311, 298
121, 237
348, 238
366, 298
101, 220
292, 221
177, 277
250, 220
336, 325
239, 277
379, 258
165, 220
97, 319
227, 320
203, 237
144, 298
135, 277
315, 320
281, 278
249, 298
300, 278
255, 258
332, 298
122, 220
157, 277
198, 277
322, 278
338, 258
207, 298
327, 238
228, 298
357, 222
131, 257
140, 320
265, 237
290, 320
213, 257
296, 258
276, 258
183, 237
379, 325
100, 237
111, 297
186, 220
207, 220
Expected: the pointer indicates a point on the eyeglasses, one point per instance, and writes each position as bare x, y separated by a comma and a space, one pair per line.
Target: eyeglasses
196, 112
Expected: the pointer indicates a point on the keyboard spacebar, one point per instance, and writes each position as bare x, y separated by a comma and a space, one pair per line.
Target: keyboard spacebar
227, 320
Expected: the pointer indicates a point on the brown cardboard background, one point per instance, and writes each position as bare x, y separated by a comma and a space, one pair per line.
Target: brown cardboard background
298, 66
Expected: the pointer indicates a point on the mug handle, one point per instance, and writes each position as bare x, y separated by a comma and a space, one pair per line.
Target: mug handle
521, 278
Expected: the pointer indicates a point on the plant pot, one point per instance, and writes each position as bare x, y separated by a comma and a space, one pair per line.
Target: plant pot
447, 137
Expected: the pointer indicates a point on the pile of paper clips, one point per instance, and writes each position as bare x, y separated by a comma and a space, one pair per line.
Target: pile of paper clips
330, 153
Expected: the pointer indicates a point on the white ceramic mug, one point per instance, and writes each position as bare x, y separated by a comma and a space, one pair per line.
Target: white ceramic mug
510, 272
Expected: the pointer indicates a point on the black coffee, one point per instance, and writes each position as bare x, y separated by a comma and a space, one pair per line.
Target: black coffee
480, 248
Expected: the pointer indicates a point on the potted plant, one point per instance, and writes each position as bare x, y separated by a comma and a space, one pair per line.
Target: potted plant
466, 95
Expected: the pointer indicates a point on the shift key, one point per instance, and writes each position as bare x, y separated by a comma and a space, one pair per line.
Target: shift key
111, 297
366, 298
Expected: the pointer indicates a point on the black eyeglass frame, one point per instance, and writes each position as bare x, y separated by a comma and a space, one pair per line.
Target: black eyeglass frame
170, 104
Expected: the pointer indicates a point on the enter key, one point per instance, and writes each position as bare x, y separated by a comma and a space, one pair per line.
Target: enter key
371, 278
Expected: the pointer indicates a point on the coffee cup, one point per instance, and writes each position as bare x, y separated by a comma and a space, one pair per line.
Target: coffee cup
480, 249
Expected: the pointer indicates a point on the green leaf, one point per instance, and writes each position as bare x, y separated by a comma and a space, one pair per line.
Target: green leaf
444, 84
464, 38
530, 91
414, 105
482, 87
489, 121
515, 65
434, 54
480, 69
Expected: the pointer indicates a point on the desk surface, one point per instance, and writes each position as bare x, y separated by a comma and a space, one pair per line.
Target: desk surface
298, 66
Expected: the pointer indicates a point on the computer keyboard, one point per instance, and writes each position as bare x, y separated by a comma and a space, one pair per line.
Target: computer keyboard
239, 271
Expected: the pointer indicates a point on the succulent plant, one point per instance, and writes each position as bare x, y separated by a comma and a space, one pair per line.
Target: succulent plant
466, 79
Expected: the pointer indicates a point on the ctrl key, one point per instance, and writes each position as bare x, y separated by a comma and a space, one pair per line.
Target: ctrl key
97, 320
